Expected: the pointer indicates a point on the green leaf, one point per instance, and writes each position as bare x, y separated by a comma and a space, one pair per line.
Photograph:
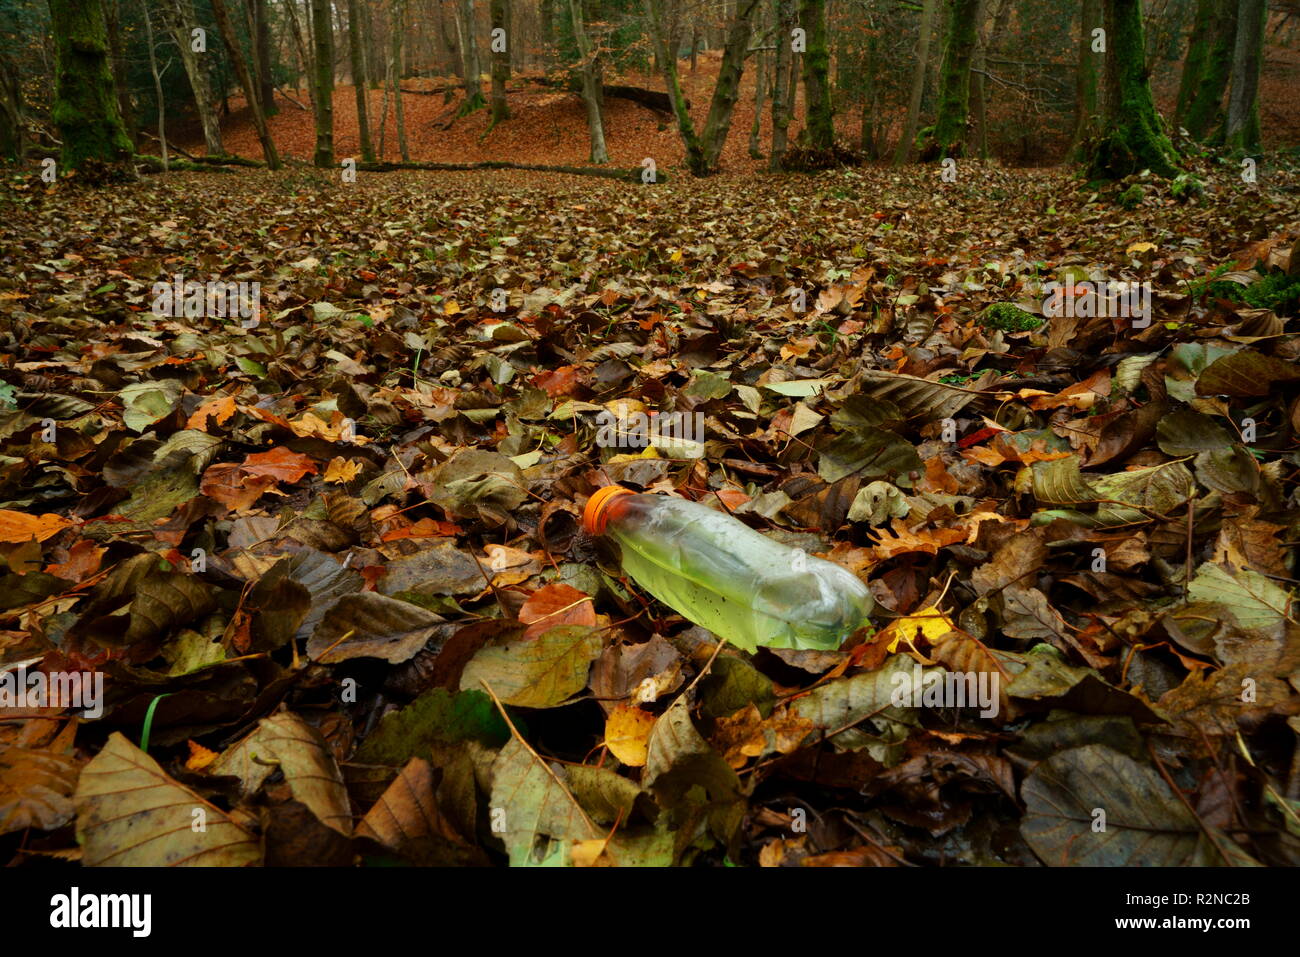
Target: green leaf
540, 673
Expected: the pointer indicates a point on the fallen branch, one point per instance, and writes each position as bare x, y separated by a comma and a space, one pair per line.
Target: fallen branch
627, 175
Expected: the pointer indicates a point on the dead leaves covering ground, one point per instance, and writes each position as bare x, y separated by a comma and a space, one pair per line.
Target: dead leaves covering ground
333, 561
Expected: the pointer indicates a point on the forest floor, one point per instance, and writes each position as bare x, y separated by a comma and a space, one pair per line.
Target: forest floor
330, 566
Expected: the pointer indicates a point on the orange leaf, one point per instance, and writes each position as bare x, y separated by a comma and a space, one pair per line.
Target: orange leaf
554, 605
21, 527
220, 409
280, 464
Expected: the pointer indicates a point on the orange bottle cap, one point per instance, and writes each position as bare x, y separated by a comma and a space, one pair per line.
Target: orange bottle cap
594, 515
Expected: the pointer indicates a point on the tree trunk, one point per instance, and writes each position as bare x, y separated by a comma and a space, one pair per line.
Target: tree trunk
755, 129
1087, 81
592, 95
397, 25
13, 132
246, 81
322, 29
304, 54
473, 69
157, 85
85, 100
1132, 139
1241, 128
356, 39
816, 75
1204, 114
918, 83
182, 22
784, 14
500, 49
112, 19
1198, 57
866, 137
949, 137
262, 56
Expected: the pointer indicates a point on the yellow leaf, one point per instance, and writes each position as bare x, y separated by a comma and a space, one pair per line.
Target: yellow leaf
342, 470
929, 623
450, 307
200, 757
627, 734
1140, 248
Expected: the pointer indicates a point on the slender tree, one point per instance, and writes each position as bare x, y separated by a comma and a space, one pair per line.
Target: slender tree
261, 28
1241, 126
157, 74
500, 46
245, 75
322, 29
473, 69
592, 88
85, 101
784, 14
918, 83
396, 27
357, 59
191, 43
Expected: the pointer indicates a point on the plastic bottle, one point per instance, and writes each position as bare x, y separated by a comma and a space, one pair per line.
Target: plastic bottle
723, 575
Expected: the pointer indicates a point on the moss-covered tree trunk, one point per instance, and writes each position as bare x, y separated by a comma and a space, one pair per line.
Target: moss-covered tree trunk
322, 33
356, 41
246, 80
783, 12
500, 48
918, 83
1204, 116
1132, 138
816, 75
181, 22
85, 100
704, 149
593, 92
1199, 43
949, 136
1241, 127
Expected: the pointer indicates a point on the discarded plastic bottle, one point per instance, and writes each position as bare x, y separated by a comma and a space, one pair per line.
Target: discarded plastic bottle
723, 575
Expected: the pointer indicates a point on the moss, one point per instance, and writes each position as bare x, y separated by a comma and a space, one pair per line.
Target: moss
1008, 318
1132, 197
816, 75
1276, 291
1186, 186
85, 108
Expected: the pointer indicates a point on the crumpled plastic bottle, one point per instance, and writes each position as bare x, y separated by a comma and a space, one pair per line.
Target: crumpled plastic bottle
718, 572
